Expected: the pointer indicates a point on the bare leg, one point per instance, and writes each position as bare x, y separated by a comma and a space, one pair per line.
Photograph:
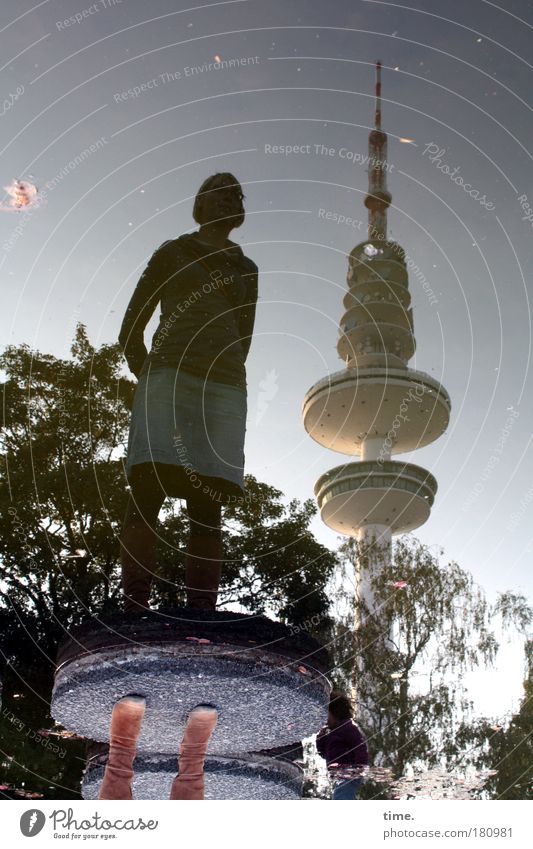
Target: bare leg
126, 721
137, 557
138, 539
203, 563
189, 783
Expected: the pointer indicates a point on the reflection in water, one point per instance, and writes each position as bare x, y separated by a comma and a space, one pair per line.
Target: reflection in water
367, 773
433, 783
438, 784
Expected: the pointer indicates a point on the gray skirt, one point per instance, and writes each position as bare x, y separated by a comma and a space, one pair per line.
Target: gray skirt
192, 429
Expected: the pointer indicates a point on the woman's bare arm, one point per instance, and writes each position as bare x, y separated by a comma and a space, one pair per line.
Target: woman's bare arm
143, 302
246, 318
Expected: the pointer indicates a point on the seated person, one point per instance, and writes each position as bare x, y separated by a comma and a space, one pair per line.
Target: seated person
343, 746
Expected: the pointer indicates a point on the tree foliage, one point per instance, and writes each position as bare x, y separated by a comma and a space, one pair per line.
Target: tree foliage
63, 494
429, 624
504, 746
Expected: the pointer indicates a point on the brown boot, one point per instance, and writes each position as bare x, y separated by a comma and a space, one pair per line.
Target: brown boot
203, 567
126, 720
189, 783
137, 557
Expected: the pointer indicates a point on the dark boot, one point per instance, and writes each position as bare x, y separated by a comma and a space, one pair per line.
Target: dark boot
125, 728
189, 783
203, 567
137, 556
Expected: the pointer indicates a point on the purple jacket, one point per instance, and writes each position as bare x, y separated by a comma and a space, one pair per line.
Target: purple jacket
342, 745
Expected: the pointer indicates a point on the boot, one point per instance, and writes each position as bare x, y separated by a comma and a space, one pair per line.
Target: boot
137, 557
126, 720
203, 567
189, 783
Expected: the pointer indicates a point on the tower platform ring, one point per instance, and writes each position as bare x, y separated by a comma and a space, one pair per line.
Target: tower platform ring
382, 273
381, 336
397, 495
370, 292
346, 407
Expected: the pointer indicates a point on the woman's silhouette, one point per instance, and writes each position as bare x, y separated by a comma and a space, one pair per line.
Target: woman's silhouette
188, 420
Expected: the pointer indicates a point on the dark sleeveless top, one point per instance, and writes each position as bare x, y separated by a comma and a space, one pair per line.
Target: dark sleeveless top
208, 300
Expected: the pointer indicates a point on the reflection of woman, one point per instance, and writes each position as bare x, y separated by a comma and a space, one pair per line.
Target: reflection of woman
189, 411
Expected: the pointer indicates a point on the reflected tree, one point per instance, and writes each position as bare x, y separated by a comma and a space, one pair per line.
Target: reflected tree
63, 493
406, 660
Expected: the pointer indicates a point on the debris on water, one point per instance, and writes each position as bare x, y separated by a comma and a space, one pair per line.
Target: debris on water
343, 772
21, 195
436, 783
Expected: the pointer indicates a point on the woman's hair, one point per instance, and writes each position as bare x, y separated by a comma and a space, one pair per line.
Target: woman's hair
215, 181
339, 705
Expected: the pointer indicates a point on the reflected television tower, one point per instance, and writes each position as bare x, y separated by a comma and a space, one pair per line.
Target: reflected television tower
376, 406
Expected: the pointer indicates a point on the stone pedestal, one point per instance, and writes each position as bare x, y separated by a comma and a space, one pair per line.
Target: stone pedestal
268, 684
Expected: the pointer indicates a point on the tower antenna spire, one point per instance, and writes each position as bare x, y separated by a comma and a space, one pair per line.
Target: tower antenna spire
378, 198
377, 119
